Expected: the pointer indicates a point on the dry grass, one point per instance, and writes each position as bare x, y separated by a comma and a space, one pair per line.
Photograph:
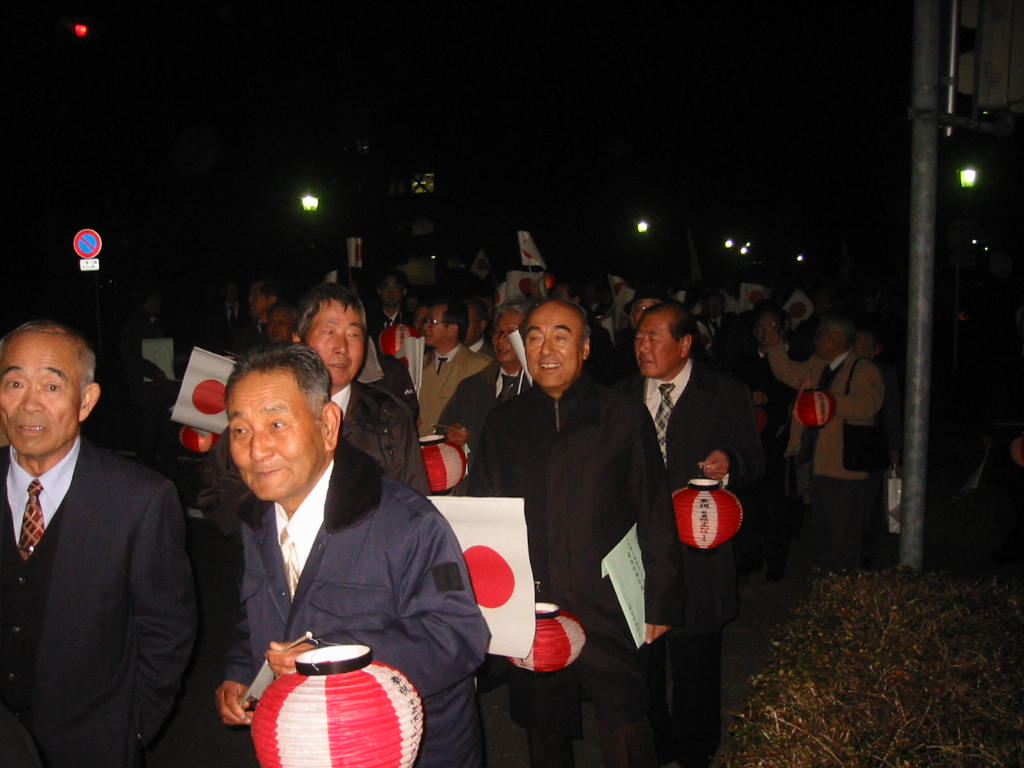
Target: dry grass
892, 669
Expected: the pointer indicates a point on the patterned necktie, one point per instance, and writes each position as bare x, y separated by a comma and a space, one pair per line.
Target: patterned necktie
291, 561
661, 418
508, 387
32, 525
441, 361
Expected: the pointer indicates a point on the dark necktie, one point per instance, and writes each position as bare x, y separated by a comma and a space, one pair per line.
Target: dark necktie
441, 361
827, 375
508, 387
32, 525
662, 416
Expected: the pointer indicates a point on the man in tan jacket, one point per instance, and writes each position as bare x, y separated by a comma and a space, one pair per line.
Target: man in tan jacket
840, 498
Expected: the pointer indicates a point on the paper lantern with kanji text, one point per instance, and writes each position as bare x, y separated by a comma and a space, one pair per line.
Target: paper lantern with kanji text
814, 407
558, 642
340, 709
391, 338
707, 515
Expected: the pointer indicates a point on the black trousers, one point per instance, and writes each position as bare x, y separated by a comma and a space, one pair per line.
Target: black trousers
695, 721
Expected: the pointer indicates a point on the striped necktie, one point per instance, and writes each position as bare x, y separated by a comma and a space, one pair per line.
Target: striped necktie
32, 525
662, 416
292, 572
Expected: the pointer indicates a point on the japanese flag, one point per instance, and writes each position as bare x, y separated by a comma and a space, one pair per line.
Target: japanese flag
799, 307
411, 355
528, 284
355, 252
751, 294
622, 294
200, 401
481, 266
492, 535
529, 251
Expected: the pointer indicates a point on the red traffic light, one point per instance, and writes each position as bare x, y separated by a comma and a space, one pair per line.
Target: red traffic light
81, 30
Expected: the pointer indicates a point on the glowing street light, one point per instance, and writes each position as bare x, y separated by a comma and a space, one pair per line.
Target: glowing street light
642, 226
800, 257
968, 177
310, 203
729, 243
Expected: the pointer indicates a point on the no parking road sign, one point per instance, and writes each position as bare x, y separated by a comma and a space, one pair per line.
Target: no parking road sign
87, 244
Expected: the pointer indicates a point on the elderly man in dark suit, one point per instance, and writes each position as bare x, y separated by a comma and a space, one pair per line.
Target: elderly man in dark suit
585, 459
97, 612
705, 423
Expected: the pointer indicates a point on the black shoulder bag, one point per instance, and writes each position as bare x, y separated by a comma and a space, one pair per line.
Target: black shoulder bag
865, 448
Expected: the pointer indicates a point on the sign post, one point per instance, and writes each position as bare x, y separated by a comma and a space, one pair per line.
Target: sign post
87, 244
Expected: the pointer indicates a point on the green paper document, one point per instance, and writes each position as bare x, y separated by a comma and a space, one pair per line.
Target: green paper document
625, 567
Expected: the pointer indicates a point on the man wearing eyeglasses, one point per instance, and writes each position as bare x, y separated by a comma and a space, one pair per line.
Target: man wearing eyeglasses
447, 364
477, 395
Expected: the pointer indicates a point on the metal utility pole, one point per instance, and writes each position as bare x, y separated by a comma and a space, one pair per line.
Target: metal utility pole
921, 287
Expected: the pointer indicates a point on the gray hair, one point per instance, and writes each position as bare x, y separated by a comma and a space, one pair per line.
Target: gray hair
319, 297
83, 349
517, 304
302, 362
837, 321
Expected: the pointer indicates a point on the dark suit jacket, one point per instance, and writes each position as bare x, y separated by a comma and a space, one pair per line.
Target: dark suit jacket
714, 412
120, 615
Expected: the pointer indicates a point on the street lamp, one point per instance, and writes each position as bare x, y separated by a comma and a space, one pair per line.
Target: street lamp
968, 177
310, 203
642, 226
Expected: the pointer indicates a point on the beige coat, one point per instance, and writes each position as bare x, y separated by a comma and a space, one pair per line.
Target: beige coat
437, 389
861, 406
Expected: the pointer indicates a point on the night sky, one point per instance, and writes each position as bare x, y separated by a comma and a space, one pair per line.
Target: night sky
185, 133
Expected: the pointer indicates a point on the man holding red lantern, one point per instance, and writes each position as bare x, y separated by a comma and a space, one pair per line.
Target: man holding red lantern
705, 425
586, 461
841, 498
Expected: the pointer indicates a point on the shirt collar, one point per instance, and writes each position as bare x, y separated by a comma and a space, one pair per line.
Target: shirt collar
342, 398
305, 523
56, 482
680, 380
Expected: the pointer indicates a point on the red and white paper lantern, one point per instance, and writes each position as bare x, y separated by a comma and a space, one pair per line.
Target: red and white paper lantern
198, 440
558, 642
815, 407
707, 515
445, 462
391, 338
340, 709
1017, 450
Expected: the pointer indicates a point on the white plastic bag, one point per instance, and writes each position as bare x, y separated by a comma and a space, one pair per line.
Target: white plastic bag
893, 498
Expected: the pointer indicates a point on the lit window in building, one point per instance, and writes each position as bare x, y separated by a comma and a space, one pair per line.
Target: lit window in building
422, 183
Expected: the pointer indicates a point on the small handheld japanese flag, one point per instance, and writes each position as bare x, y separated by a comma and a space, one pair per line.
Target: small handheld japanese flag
200, 401
799, 307
481, 266
355, 252
529, 251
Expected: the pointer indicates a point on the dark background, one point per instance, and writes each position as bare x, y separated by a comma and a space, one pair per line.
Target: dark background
185, 134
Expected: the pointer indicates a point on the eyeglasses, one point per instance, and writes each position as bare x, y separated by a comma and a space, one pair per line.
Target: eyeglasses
433, 321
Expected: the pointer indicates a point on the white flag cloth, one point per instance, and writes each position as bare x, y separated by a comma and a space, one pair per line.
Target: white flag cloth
622, 294
411, 354
751, 294
492, 535
529, 251
355, 252
799, 307
481, 266
331, 277
528, 284
501, 293
200, 401
680, 296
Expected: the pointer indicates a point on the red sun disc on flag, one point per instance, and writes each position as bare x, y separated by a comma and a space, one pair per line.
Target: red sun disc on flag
492, 576
526, 286
797, 310
208, 396
756, 296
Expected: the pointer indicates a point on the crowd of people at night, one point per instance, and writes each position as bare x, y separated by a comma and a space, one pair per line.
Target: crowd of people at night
606, 409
